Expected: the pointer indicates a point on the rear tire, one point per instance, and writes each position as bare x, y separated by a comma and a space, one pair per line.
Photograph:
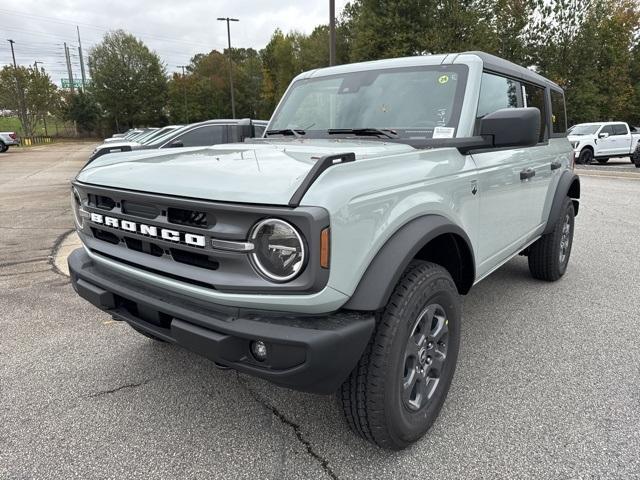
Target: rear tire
396, 391
549, 255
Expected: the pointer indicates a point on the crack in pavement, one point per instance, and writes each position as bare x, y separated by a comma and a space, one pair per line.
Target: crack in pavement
117, 389
324, 463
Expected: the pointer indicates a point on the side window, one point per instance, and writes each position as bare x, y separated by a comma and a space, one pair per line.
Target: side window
203, 136
534, 97
620, 129
607, 129
558, 112
496, 93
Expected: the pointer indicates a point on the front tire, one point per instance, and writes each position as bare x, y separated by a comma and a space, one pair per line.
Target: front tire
3, 147
396, 391
586, 156
549, 255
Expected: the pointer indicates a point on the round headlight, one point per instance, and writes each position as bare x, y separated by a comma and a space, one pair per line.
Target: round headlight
76, 206
279, 252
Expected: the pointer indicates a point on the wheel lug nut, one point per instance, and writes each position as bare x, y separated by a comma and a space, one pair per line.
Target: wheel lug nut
430, 345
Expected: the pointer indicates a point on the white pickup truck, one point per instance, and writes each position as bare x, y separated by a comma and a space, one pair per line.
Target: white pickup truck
7, 139
602, 141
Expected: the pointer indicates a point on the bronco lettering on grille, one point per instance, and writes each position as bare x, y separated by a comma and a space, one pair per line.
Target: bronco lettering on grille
149, 230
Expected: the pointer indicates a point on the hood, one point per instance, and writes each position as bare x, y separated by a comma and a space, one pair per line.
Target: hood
264, 172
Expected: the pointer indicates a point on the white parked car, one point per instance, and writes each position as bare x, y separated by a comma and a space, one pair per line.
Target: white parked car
602, 141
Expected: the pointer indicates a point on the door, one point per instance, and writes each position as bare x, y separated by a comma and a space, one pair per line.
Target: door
622, 138
605, 142
543, 157
504, 198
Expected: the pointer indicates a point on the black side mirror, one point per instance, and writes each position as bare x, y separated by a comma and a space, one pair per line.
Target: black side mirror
176, 143
603, 135
512, 127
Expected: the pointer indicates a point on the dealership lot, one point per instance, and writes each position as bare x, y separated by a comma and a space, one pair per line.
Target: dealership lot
547, 384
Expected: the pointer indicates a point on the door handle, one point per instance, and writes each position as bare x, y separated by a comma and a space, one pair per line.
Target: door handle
527, 173
556, 165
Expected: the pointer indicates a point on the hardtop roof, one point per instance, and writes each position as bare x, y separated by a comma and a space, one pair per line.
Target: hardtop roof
490, 62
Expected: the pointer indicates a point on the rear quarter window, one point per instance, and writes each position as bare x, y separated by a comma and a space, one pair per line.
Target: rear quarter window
558, 112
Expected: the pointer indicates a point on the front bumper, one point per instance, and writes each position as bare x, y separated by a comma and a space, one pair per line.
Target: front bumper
11, 142
308, 353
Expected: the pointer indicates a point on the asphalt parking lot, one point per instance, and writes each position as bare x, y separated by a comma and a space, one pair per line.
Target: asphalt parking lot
547, 386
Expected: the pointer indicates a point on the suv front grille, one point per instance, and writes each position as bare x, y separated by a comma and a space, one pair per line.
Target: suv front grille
187, 217
172, 237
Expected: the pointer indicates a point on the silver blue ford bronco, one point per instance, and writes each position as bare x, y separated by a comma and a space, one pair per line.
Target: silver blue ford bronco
331, 254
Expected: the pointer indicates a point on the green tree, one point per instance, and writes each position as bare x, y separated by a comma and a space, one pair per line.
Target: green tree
82, 109
587, 48
39, 94
128, 81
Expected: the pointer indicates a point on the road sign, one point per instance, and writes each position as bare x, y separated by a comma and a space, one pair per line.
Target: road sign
66, 84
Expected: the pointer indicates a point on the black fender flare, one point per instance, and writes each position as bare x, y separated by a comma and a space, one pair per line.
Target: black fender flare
384, 271
568, 186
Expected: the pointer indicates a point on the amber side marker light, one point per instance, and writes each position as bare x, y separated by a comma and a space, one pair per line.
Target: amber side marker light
324, 248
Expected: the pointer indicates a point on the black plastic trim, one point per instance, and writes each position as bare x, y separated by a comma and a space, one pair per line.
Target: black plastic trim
312, 353
562, 191
384, 271
318, 168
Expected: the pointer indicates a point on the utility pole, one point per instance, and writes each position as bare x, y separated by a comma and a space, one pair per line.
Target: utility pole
66, 55
332, 32
184, 91
233, 101
84, 79
44, 116
21, 113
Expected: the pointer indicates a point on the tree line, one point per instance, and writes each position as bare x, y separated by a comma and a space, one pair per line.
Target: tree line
589, 47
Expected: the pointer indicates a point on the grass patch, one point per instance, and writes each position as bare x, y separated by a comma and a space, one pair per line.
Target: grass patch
55, 127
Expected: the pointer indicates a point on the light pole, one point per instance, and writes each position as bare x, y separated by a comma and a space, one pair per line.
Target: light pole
20, 92
233, 102
184, 91
332, 32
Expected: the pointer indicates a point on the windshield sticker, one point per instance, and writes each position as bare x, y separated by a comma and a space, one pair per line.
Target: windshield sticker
443, 132
443, 79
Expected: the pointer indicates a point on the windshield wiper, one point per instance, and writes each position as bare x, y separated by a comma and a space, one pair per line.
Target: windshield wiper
384, 132
296, 132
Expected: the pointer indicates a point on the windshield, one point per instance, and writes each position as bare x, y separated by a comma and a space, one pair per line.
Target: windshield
140, 138
167, 136
585, 129
156, 134
412, 102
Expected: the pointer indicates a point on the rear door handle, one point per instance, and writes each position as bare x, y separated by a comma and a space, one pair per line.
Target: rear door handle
556, 165
527, 173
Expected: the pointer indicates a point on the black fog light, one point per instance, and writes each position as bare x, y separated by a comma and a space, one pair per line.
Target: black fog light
259, 350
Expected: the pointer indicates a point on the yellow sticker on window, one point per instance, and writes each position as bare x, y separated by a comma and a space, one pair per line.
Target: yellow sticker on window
443, 79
